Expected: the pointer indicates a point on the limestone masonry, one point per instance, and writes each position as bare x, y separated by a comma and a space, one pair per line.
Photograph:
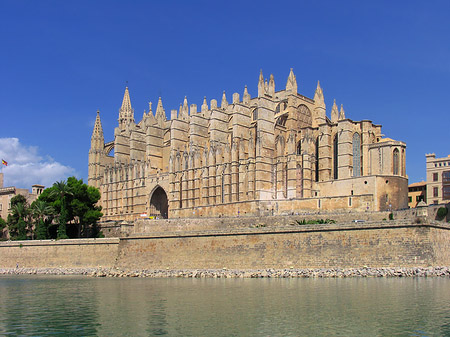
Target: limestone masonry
277, 153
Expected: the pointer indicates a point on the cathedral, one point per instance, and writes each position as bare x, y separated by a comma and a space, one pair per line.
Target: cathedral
274, 154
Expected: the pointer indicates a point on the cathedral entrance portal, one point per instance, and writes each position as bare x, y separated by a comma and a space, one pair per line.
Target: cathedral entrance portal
159, 205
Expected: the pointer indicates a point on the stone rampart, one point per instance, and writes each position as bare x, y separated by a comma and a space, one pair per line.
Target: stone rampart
72, 253
345, 245
301, 246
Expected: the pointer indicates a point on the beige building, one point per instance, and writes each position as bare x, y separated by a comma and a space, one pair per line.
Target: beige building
438, 179
7, 193
417, 192
276, 153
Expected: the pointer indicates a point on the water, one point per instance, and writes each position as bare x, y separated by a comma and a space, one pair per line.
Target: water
82, 306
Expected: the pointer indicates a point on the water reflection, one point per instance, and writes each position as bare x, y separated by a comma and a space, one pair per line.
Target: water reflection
224, 307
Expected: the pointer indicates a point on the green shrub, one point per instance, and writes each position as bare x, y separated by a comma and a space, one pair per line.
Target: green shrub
441, 213
391, 216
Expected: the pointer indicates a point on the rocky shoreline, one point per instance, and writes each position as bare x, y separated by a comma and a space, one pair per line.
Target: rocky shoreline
230, 273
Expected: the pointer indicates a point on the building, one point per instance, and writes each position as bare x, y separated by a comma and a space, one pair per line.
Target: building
276, 153
7, 193
438, 179
417, 192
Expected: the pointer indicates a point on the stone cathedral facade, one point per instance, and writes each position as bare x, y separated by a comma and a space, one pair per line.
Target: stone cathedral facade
277, 153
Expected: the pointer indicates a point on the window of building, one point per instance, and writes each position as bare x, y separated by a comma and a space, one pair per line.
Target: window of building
446, 177
446, 192
282, 120
435, 177
435, 191
317, 159
409, 199
255, 114
335, 157
356, 155
299, 147
395, 161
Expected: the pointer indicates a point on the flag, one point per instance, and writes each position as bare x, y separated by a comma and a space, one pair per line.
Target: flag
4, 162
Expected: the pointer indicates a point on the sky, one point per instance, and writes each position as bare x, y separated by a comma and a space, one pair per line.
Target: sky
61, 61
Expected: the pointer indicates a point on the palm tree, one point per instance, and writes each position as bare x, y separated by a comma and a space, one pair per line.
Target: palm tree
61, 190
18, 226
41, 211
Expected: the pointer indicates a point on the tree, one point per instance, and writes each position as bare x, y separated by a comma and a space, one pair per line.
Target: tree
78, 208
2, 226
17, 226
61, 190
42, 213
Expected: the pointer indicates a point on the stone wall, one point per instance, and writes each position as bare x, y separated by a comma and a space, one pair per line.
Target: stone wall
72, 253
345, 245
315, 246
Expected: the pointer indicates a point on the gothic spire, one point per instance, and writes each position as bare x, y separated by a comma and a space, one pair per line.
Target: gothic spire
204, 105
160, 114
291, 84
150, 112
97, 138
126, 112
126, 102
334, 113
224, 102
342, 113
318, 96
246, 97
261, 90
271, 91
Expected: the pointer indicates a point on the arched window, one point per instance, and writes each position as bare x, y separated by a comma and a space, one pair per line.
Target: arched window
335, 157
317, 159
282, 120
255, 114
356, 155
281, 107
299, 147
304, 117
395, 162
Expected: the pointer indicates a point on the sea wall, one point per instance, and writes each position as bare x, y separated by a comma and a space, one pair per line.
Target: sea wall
345, 245
301, 246
72, 253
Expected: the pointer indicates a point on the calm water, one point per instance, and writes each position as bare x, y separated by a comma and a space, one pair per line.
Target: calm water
81, 306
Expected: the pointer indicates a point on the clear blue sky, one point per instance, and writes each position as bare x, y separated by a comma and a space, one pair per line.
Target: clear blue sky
60, 61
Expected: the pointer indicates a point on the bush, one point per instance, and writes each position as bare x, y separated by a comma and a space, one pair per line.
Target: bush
391, 216
441, 213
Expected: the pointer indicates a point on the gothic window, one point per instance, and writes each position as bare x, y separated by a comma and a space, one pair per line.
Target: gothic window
304, 116
299, 182
395, 162
223, 187
285, 180
299, 147
282, 120
281, 107
255, 114
403, 163
335, 157
181, 192
356, 155
317, 159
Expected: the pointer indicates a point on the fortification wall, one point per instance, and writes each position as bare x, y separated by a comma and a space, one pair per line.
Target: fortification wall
307, 247
350, 245
72, 253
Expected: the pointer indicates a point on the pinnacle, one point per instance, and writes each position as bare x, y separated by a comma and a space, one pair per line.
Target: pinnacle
126, 102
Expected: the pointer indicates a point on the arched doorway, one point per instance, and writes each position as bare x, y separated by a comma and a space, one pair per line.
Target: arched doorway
159, 205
